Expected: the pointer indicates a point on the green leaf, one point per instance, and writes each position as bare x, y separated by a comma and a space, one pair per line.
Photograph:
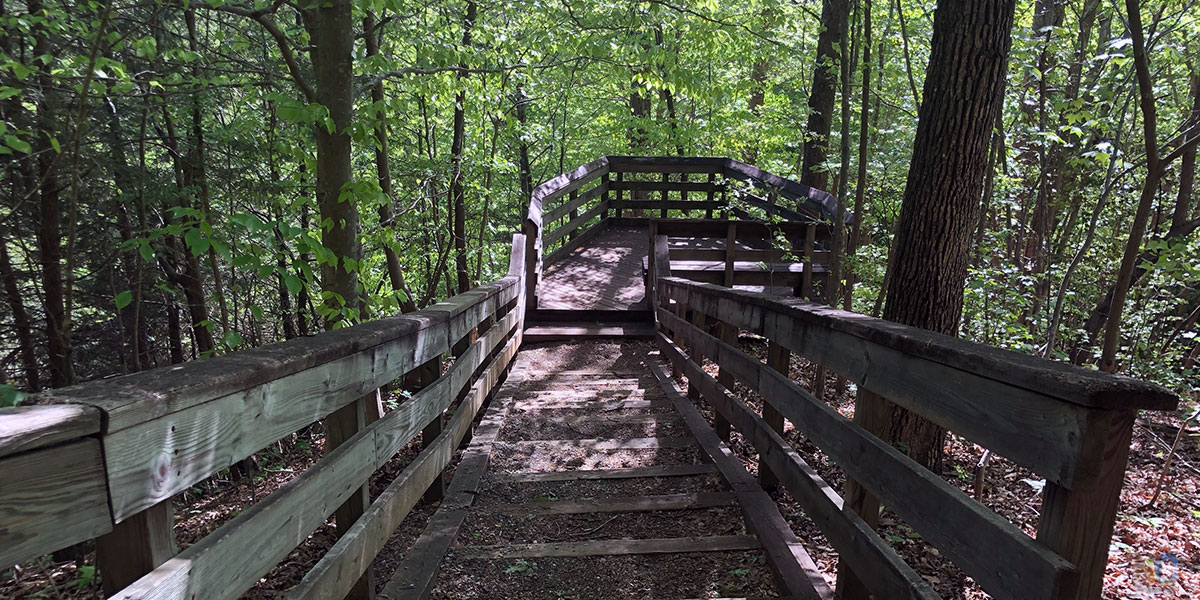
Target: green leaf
196, 242
123, 299
17, 144
293, 283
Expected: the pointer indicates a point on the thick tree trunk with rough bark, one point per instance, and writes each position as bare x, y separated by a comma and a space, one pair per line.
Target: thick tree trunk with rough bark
333, 43
964, 89
835, 15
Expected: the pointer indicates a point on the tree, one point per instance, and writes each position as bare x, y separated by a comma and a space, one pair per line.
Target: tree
835, 19
964, 89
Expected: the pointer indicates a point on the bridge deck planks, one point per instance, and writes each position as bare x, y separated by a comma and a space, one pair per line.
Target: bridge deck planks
605, 274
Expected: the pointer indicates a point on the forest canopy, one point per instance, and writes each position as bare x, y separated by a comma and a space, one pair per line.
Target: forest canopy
176, 175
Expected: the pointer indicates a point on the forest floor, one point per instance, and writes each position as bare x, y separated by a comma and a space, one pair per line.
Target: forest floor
1155, 552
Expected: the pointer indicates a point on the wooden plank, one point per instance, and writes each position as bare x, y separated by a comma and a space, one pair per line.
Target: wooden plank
662, 205
660, 502
665, 164
680, 545
778, 358
553, 236
1078, 524
599, 405
578, 202
1041, 432
148, 395
856, 542
1001, 557
663, 186
230, 560
644, 443
152, 461
596, 474
793, 568
560, 185
24, 428
354, 552
610, 419
774, 209
1069, 383
568, 331
415, 576
51, 498
812, 198
135, 547
580, 241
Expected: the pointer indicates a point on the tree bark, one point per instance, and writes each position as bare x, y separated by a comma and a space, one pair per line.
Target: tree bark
333, 42
457, 189
16, 305
1187, 166
383, 169
964, 89
835, 15
1112, 332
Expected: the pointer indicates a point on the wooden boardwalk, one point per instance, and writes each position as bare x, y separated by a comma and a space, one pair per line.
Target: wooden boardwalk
594, 484
604, 274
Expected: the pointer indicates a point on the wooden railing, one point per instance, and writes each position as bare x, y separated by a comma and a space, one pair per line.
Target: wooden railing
103, 460
564, 211
1067, 424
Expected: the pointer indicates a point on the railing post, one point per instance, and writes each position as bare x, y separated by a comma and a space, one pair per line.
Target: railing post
708, 213
778, 358
135, 547
1078, 523
683, 178
666, 178
533, 261
621, 193
571, 197
604, 195
870, 410
340, 426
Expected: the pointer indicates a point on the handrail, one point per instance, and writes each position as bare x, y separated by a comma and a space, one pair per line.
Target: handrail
1068, 424
95, 456
594, 204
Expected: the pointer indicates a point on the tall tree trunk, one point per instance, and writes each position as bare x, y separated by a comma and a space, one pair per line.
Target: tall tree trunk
1112, 332
41, 174
383, 169
835, 15
860, 187
16, 305
199, 174
1187, 166
964, 89
333, 45
524, 172
457, 189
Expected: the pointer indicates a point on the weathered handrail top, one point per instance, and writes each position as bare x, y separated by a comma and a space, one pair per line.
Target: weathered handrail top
1068, 383
29, 427
134, 398
818, 201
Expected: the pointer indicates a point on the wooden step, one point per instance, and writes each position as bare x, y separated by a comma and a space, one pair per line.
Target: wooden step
623, 473
560, 315
680, 545
542, 332
686, 501
644, 443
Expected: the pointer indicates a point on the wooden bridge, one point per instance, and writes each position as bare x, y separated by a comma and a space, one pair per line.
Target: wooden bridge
589, 470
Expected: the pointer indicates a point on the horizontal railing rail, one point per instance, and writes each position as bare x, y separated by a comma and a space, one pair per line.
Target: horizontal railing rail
1067, 424
103, 459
